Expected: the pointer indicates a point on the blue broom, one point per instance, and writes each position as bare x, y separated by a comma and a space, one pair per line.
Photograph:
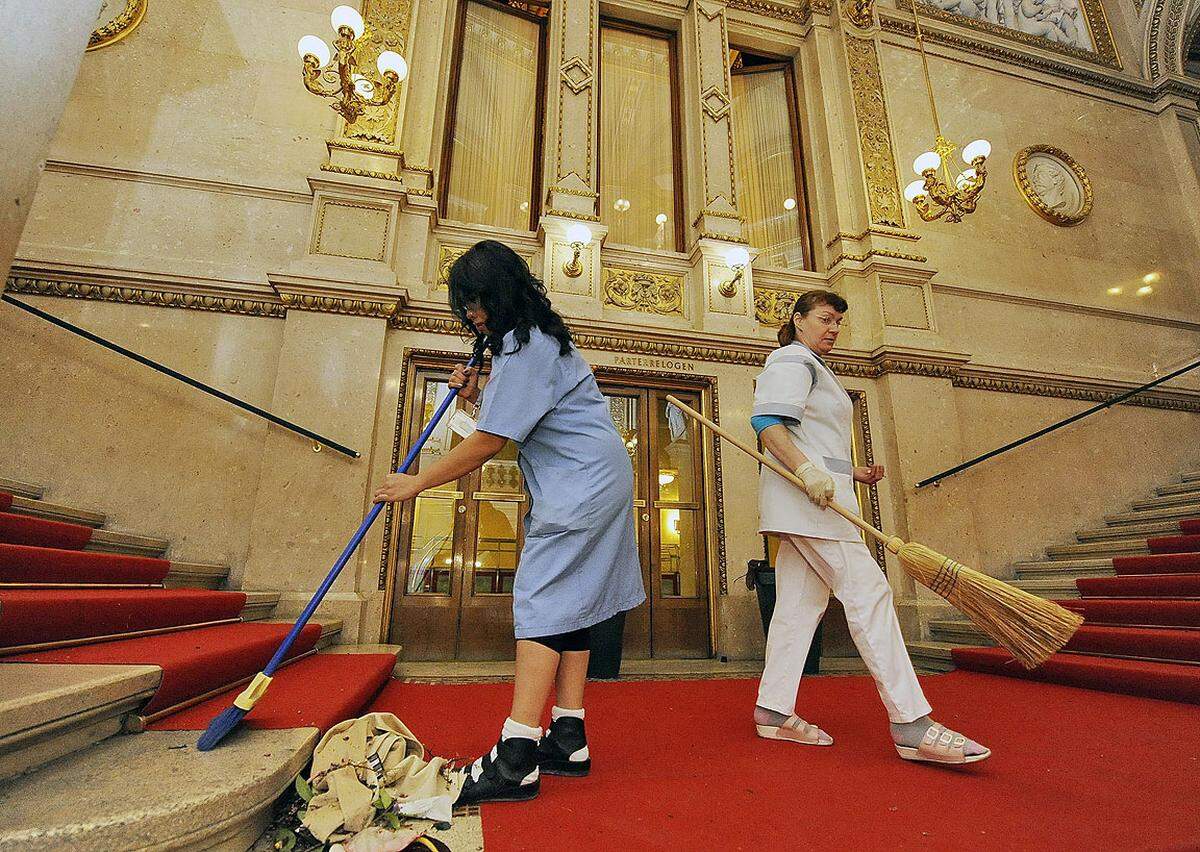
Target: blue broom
219, 727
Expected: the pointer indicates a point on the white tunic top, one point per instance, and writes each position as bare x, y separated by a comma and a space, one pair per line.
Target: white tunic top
796, 384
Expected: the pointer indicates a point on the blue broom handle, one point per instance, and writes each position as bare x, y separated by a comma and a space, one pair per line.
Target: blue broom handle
363, 527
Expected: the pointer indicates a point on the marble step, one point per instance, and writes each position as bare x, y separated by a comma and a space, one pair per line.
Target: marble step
55, 512
196, 575
1179, 488
1194, 476
115, 541
154, 791
957, 633
22, 489
1064, 568
931, 656
48, 711
1164, 500
1099, 549
1186, 510
259, 605
1053, 588
1149, 530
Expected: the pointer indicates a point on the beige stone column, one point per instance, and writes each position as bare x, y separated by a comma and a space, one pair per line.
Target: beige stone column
38, 64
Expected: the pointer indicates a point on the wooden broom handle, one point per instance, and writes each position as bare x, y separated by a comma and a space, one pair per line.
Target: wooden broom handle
784, 472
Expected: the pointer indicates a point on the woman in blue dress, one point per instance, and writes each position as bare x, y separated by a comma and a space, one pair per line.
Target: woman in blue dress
579, 564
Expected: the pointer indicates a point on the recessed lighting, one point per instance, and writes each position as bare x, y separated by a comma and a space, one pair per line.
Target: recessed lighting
1115, 291
789, 204
1145, 291
1151, 278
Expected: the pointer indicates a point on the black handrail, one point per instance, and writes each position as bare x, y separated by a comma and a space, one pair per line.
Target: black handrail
188, 380
1039, 433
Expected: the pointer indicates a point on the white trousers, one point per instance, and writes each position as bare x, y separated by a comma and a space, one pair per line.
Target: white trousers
807, 570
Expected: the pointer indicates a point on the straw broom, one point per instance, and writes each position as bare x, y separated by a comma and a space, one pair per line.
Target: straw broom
1029, 627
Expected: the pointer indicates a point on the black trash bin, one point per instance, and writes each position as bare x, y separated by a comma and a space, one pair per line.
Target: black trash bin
760, 577
607, 638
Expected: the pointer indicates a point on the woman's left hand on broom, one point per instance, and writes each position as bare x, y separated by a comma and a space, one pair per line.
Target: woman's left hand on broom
868, 475
398, 487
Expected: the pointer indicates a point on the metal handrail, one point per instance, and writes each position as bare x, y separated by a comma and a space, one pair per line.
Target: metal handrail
1064, 422
188, 380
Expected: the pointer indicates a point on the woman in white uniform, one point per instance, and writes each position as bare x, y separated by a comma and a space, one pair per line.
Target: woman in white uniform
804, 417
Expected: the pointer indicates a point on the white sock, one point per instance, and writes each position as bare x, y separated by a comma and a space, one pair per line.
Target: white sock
557, 713
515, 730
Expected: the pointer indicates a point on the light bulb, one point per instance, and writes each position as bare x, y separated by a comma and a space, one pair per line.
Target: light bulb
392, 61
310, 45
1115, 291
363, 87
347, 16
1151, 278
927, 161
965, 178
914, 190
660, 219
978, 148
789, 204
578, 233
737, 257
1145, 291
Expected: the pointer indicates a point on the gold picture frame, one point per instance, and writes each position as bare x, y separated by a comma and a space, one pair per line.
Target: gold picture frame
1053, 184
111, 28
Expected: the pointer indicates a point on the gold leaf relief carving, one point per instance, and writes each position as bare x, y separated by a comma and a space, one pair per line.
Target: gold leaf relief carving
644, 292
874, 134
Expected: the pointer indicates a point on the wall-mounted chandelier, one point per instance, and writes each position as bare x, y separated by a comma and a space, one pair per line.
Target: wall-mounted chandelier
350, 91
936, 195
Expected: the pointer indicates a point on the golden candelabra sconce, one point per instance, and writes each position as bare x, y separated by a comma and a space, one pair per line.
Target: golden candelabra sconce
936, 196
350, 90
579, 236
737, 258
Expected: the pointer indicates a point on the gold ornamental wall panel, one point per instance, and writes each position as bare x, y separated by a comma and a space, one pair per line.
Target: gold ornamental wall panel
773, 306
644, 292
387, 23
874, 133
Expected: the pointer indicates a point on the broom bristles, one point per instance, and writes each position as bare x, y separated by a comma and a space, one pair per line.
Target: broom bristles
1029, 627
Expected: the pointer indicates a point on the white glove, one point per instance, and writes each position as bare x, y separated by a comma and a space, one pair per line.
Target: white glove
818, 484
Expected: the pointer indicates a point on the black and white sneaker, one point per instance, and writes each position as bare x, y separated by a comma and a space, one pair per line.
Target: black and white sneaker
508, 773
564, 749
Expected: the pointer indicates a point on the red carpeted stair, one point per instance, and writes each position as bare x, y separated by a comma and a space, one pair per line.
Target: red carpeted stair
48, 596
39, 532
26, 564
1142, 627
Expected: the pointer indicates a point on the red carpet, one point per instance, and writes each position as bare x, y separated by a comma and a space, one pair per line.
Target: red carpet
1168, 563
1167, 681
193, 661
1174, 544
23, 564
32, 616
37, 532
5, 501
1190, 527
1147, 586
1165, 612
317, 692
677, 766
1181, 644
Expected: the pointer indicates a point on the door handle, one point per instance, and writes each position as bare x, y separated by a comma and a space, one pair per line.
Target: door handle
645, 516
461, 508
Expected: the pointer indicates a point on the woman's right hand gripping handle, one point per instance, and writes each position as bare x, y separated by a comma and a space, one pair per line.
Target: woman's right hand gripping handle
466, 378
818, 484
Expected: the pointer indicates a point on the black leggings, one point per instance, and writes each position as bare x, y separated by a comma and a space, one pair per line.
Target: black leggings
576, 640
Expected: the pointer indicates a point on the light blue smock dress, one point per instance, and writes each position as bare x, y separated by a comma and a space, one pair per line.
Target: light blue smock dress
579, 564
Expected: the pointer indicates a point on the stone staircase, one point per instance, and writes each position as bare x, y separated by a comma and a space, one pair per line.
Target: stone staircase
71, 776
1124, 534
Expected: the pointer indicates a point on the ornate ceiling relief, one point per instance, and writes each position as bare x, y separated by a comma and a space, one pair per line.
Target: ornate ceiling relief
874, 133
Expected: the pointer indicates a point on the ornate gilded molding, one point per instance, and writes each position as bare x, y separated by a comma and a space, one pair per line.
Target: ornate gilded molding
874, 133
719, 475
895, 233
1033, 195
386, 29
576, 74
571, 214
726, 238
371, 148
1105, 53
446, 257
349, 170
717, 214
773, 306
333, 305
1076, 389
641, 291
876, 519
118, 26
860, 13
879, 252
798, 14
142, 296
579, 86
578, 193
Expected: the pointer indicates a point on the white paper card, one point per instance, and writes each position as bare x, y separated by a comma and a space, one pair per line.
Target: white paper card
461, 423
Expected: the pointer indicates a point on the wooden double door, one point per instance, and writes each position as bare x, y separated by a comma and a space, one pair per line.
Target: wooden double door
457, 549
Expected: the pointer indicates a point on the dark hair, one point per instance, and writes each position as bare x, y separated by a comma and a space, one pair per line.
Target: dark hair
806, 302
496, 277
